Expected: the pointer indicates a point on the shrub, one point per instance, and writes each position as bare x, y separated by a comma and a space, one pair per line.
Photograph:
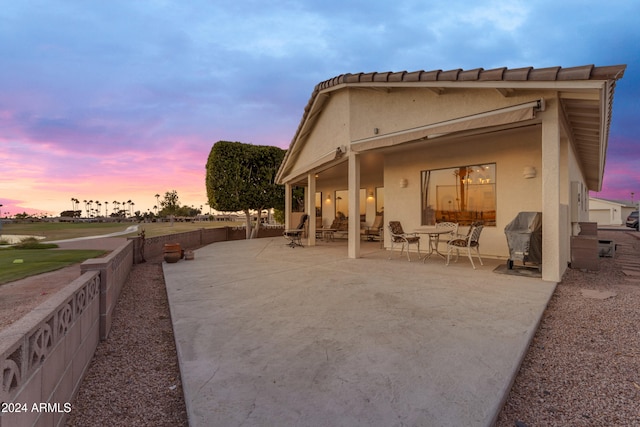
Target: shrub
33, 243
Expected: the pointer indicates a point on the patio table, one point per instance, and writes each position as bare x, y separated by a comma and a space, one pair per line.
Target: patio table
327, 234
434, 238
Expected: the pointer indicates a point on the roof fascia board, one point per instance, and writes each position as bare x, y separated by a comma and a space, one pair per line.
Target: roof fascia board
501, 84
323, 162
605, 112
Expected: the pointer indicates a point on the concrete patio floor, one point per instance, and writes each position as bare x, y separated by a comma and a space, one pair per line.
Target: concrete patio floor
269, 335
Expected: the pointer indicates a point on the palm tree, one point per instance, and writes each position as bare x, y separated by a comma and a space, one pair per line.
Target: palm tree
106, 208
75, 202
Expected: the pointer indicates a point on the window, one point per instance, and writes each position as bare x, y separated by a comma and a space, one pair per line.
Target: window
379, 200
297, 198
461, 194
319, 204
342, 203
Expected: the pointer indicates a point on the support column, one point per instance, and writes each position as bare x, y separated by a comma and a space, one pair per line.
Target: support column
287, 207
311, 208
354, 205
551, 216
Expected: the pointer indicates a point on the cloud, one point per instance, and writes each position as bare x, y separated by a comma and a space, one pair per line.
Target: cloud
129, 96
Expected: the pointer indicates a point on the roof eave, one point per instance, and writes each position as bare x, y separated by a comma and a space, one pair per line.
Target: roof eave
583, 78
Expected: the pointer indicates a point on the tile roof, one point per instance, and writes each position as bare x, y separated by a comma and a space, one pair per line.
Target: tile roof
585, 72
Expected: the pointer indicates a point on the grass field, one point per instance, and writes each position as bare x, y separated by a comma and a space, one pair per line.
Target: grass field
37, 261
17, 264
63, 230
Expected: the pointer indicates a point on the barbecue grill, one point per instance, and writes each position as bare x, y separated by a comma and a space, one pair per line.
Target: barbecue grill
524, 237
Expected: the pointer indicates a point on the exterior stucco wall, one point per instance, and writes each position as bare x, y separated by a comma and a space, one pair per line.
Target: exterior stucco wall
510, 150
406, 108
330, 131
581, 201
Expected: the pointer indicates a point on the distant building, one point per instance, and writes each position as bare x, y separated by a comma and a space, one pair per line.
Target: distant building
609, 212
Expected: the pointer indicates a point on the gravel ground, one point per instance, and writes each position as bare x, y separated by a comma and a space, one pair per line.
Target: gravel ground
134, 378
583, 365
582, 368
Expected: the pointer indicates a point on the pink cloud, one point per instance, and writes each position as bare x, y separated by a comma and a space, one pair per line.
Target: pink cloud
51, 174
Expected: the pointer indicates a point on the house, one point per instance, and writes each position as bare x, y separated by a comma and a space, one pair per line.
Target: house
426, 146
609, 212
605, 212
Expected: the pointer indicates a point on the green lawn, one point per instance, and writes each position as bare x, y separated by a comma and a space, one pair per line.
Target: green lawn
63, 230
37, 261
154, 229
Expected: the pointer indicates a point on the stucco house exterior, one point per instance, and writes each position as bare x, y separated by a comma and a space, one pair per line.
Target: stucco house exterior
609, 212
605, 212
464, 145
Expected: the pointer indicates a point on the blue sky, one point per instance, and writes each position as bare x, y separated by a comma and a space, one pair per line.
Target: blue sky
118, 100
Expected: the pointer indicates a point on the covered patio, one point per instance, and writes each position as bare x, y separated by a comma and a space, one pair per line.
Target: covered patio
422, 147
269, 335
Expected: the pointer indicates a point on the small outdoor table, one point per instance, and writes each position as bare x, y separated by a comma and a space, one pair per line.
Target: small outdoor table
434, 238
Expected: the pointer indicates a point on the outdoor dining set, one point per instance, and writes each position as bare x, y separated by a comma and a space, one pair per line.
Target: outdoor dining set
442, 232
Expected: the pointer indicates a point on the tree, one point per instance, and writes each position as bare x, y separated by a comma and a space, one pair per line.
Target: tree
170, 204
241, 177
71, 214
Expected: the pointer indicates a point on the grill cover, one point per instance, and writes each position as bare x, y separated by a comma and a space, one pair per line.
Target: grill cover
524, 237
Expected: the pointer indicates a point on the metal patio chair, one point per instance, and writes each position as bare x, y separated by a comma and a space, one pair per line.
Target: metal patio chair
452, 226
295, 236
471, 240
399, 236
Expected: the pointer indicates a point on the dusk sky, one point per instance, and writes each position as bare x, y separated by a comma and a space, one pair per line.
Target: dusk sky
120, 100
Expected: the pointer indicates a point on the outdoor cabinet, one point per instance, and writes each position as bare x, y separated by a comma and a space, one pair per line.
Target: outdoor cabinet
584, 248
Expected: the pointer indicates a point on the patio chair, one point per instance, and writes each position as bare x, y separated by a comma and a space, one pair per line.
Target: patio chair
399, 236
295, 236
319, 227
471, 240
374, 231
452, 226
340, 226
